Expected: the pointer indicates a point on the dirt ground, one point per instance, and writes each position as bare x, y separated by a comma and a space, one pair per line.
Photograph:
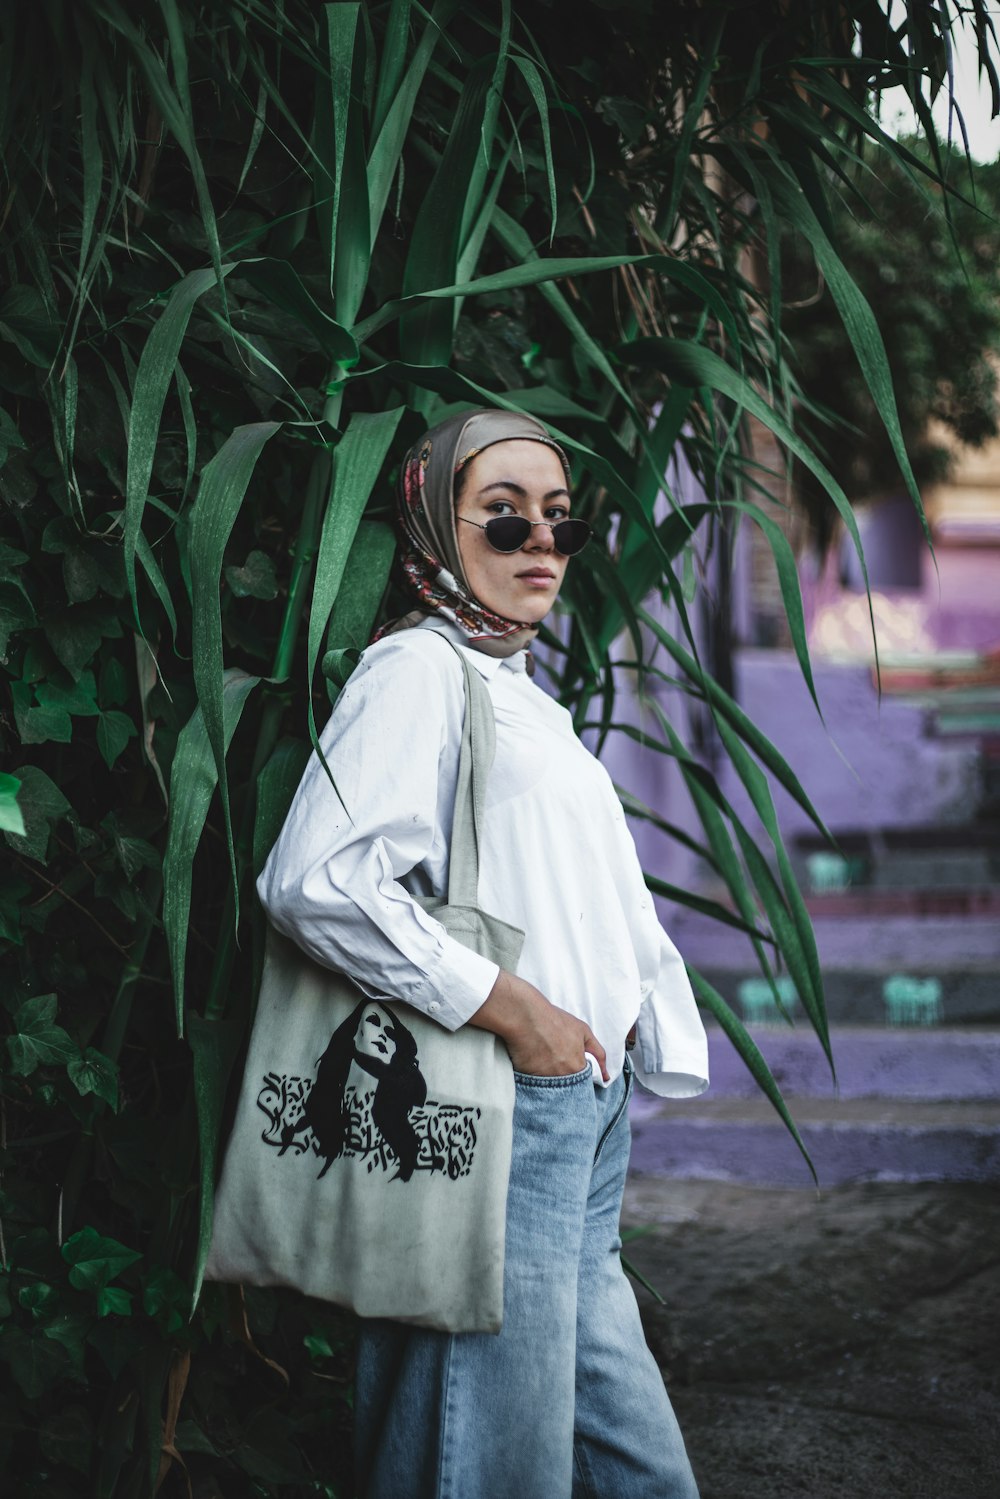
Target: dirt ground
842, 1345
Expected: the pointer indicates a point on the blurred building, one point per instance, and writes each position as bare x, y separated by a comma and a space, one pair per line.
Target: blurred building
904, 769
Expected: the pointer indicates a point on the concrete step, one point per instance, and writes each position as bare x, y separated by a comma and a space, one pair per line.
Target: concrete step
906, 1064
744, 1141
980, 902
906, 995
937, 943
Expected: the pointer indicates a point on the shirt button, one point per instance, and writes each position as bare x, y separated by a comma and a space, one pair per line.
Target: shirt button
645, 988
433, 1006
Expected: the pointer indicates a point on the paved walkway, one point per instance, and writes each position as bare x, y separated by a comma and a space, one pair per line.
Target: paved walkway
841, 1346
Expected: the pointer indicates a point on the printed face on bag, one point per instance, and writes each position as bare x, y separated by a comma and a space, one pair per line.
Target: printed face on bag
516, 477
375, 1036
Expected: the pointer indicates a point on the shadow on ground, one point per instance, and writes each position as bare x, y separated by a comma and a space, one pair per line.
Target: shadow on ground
843, 1345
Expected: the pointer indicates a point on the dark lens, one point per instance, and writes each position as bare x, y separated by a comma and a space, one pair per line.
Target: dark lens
505, 533
571, 536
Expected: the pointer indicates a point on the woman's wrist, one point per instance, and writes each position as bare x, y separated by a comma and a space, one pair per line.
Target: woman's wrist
510, 1007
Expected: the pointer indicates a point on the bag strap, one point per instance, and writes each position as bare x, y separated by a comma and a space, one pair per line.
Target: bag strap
474, 763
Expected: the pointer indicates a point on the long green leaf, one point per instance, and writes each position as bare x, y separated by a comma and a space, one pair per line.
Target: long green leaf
174, 104
220, 496
694, 365
637, 808
727, 706
193, 779
755, 782
710, 805
364, 583
284, 288
351, 222
357, 463
390, 126
276, 786
425, 333
750, 1053
152, 382
861, 327
704, 905
214, 1045
536, 88
482, 162
390, 73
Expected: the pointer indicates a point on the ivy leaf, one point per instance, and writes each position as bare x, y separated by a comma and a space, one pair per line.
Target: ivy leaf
10, 437
166, 1298
38, 1298
16, 614
95, 1073
255, 579
42, 804
71, 1331
76, 633
35, 1362
11, 818
81, 576
135, 854
114, 683
37, 724
78, 698
38, 1041
96, 1260
114, 730
113, 1301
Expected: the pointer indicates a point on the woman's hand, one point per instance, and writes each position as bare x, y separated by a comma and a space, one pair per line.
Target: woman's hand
543, 1040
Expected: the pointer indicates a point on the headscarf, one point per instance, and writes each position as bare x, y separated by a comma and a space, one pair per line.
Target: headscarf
431, 561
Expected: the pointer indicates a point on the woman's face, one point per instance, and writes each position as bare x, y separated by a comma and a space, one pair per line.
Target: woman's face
375, 1036
516, 477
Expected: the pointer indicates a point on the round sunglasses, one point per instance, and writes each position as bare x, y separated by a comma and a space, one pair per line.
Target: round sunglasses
508, 533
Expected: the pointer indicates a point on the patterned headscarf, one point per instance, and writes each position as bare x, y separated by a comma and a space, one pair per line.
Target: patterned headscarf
431, 561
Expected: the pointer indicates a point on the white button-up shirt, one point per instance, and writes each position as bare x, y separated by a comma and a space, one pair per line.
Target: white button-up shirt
557, 860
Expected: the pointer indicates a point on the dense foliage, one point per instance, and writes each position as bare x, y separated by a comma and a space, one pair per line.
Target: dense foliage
249, 249
938, 313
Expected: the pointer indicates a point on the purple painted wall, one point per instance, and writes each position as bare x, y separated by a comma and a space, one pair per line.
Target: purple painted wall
871, 764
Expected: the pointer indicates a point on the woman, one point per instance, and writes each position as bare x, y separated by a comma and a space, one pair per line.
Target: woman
566, 1399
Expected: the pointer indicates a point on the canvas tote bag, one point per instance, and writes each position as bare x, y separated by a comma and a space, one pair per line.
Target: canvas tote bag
370, 1153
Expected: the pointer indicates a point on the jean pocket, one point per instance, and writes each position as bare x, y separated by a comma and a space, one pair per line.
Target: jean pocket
569, 1080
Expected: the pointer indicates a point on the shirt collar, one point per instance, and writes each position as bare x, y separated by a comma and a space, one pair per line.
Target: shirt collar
487, 666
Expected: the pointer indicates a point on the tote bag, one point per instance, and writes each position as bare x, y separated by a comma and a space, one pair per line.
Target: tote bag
369, 1158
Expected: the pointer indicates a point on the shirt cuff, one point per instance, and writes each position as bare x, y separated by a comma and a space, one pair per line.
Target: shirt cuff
671, 1057
457, 986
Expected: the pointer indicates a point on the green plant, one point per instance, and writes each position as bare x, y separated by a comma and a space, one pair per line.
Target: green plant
250, 249
938, 312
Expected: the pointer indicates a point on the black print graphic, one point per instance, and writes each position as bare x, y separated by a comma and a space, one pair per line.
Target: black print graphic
389, 1123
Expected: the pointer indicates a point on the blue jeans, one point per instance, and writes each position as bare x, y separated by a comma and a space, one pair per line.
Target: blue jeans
566, 1402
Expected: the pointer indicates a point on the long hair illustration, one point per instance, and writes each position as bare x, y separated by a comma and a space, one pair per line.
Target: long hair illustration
384, 1048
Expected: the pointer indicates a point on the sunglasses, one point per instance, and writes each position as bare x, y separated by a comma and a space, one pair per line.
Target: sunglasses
508, 533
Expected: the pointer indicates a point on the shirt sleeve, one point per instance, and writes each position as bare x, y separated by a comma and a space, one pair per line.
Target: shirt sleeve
332, 881
671, 1057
